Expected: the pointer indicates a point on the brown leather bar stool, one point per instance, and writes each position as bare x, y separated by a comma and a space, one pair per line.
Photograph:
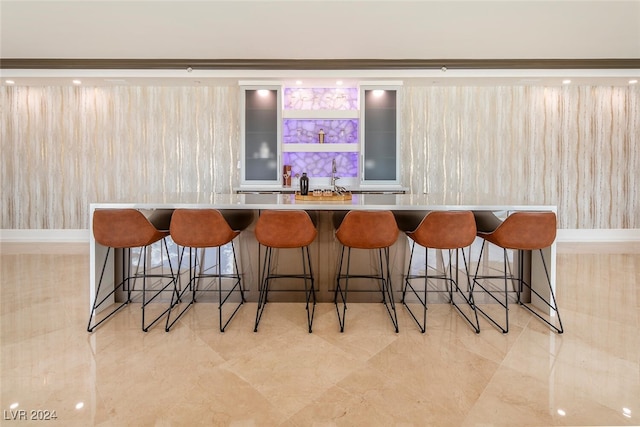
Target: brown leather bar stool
285, 230
201, 229
521, 231
126, 229
371, 230
444, 230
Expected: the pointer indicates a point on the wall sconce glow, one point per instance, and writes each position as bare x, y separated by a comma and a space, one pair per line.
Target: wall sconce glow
561, 412
626, 412
79, 405
633, 82
76, 82
10, 82
263, 92
378, 93
566, 82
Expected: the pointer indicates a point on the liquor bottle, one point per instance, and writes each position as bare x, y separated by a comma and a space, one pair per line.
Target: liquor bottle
304, 184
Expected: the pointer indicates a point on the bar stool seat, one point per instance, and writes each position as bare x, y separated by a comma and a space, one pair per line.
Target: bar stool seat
520, 231
443, 230
127, 229
201, 229
370, 230
285, 230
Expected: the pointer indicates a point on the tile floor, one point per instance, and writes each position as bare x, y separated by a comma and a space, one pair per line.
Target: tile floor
282, 375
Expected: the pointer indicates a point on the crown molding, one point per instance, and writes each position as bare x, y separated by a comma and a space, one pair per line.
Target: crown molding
316, 64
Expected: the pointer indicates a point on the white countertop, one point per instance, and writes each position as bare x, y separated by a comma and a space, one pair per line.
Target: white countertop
353, 188
454, 201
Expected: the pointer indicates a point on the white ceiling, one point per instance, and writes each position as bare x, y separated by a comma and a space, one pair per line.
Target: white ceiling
330, 29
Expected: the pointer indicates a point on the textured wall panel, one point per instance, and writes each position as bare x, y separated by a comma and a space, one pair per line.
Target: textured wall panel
576, 147
65, 147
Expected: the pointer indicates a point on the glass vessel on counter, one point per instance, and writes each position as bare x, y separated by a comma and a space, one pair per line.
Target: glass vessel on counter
304, 184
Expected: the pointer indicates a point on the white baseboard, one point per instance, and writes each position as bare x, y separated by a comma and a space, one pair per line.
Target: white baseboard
577, 235
44, 236
82, 235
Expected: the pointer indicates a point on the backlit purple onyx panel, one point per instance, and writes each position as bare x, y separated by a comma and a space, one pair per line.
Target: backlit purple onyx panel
319, 164
306, 131
295, 131
320, 98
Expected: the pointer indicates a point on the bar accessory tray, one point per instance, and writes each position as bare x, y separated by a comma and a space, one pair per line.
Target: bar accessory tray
324, 197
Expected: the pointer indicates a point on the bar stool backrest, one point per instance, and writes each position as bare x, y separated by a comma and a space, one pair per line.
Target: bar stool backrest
445, 230
368, 230
124, 228
200, 228
524, 231
285, 229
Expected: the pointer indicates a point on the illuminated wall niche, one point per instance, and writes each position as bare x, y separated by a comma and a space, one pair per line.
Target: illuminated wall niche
307, 113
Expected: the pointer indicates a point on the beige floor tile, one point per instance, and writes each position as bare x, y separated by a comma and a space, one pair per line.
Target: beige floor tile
290, 383
282, 375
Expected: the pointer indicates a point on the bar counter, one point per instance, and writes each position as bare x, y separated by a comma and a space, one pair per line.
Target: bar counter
437, 201
325, 248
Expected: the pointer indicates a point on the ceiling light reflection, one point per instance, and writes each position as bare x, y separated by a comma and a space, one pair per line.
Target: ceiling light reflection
77, 82
14, 405
566, 82
632, 82
10, 82
79, 405
561, 412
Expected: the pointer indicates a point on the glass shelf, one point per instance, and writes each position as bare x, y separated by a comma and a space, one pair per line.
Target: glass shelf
320, 148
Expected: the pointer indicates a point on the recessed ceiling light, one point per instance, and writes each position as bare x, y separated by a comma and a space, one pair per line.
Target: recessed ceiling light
339, 82
378, 92
632, 82
561, 412
263, 92
298, 82
566, 82
77, 82
10, 82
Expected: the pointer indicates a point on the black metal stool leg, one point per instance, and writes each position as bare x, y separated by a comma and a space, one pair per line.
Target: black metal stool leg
263, 286
553, 306
408, 285
97, 303
339, 270
391, 305
504, 304
237, 285
157, 293
404, 288
180, 293
382, 277
310, 292
339, 291
468, 300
